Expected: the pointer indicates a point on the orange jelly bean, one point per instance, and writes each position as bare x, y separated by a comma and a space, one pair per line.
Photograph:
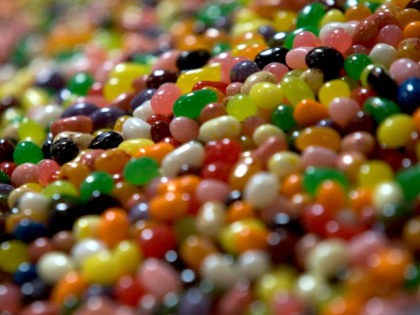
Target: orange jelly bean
72, 284
239, 210
308, 112
113, 227
292, 185
111, 161
75, 172
331, 195
169, 206
357, 12
156, 151
194, 249
242, 171
319, 136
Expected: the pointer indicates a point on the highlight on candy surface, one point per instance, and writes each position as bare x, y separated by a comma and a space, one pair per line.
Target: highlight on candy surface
210, 157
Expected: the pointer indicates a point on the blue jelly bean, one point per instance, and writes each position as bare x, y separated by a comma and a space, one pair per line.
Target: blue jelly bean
409, 95
28, 231
26, 272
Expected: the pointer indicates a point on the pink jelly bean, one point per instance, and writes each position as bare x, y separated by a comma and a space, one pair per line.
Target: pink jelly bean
183, 129
342, 110
167, 61
10, 298
48, 170
158, 278
295, 58
278, 69
318, 156
404, 68
211, 190
25, 173
164, 98
305, 38
360, 246
389, 34
339, 39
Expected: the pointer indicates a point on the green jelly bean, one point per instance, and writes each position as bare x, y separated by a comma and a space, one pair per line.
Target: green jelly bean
97, 181
311, 14
282, 117
4, 178
355, 63
27, 152
409, 180
141, 171
80, 83
191, 104
314, 176
380, 108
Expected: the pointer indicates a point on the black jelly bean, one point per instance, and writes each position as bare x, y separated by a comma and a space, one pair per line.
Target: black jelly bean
382, 83
275, 54
64, 150
106, 140
158, 77
329, 60
193, 59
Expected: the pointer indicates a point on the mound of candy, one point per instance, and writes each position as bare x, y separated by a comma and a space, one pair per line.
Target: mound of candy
210, 157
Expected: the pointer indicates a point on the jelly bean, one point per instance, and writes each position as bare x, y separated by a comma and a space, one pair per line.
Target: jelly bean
27, 151
321, 136
219, 269
241, 106
408, 93
64, 150
261, 189
329, 60
314, 176
96, 182
295, 90
210, 219
53, 265
387, 130
327, 257
164, 98
332, 89
309, 112
380, 108
342, 110
153, 273
260, 76
190, 105
408, 180
189, 78
136, 128
80, 83
311, 14
295, 58
374, 172
283, 117
190, 153
218, 128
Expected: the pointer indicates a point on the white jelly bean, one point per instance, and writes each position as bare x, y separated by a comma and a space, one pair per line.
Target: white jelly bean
190, 153
143, 111
261, 189
383, 54
283, 164
85, 248
211, 218
53, 265
252, 264
385, 194
327, 257
265, 131
220, 270
219, 128
136, 128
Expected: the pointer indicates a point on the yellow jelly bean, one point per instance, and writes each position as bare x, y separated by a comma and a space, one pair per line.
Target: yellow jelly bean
332, 89
295, 89
121, 79
284, 20
128, 256
86, 227
318, 136
374, 172
395, 131
283, 164
101, 268
266, 95
31, 131
241, 107
132, 146
34, 97
12, 254
188, 79
333, 15
279, 280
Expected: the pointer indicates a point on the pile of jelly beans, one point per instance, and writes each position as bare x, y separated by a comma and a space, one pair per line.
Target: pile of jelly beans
218, 157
